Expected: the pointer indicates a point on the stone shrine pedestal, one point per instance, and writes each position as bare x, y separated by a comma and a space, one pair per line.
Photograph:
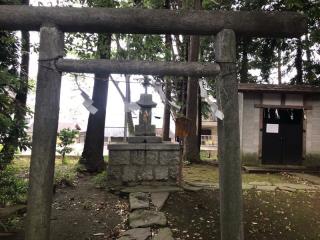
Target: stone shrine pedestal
143, 163
144, 159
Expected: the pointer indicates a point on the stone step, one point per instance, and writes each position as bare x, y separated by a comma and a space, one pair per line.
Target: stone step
158, 199
164, 234
139, 200
146, 218
150, 189
136, 234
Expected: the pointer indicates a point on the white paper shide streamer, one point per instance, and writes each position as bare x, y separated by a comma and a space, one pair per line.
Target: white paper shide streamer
210, 100
158, 88
131, 106
88, 103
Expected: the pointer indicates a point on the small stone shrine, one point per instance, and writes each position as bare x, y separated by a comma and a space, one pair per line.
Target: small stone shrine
143, 158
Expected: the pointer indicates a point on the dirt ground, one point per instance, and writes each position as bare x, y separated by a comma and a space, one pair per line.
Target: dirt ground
84, 212
267, 215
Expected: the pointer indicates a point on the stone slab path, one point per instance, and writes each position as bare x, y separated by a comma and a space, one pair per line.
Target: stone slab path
136, 233
139, 200
145, 219
262, 186
150, 189
158, 199
310, 178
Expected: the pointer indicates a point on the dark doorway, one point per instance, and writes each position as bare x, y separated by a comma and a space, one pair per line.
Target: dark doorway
282, 136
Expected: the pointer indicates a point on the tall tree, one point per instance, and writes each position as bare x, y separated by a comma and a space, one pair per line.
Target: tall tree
191, 149
167, 87
92, 155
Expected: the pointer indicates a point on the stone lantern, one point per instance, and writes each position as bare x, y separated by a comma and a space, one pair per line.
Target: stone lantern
145, 132
145, 115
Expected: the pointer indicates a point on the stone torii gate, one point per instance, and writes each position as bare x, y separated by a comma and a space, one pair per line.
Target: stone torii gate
52, 22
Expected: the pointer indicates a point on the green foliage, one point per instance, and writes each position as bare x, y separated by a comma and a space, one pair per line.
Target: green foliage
66, 138
9, 126
100, 180
65, 174
12, 189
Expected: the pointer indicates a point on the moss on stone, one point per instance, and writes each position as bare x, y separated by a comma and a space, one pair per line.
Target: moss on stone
250, 159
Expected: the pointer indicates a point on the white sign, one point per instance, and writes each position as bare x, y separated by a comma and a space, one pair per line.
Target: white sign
272, 128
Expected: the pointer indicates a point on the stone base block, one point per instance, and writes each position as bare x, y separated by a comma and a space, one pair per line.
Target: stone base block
137, 163
144, 139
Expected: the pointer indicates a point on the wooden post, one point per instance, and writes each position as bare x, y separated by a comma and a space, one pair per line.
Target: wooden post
44, 135
228, 138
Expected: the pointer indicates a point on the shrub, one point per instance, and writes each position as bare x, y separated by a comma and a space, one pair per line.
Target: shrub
12, 188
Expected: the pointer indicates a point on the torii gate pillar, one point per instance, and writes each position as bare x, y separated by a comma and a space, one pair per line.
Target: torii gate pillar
229, 138
44, 138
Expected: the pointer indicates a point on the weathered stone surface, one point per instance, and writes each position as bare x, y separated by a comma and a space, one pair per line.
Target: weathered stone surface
311, 178
174, 172
247, 186
161, 173
190, 188
164, 234
298, 186
129, 174
152, 157
146, 218
143, 130
158, 199
260, 183
266, 188
285, 188
137, 157
136, 234
114, 173
151, 189
145, 173
119, 157
138, 200
169, 157
144, 139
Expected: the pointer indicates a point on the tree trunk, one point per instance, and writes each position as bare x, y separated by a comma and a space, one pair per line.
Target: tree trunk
191, 149
298, 63
279, 66
128, 99
199, 126
166, 112
244, 63
92, 155
167, 87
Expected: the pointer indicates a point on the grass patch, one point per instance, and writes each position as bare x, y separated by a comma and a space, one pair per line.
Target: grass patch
100, 180
65, 172
207, 155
